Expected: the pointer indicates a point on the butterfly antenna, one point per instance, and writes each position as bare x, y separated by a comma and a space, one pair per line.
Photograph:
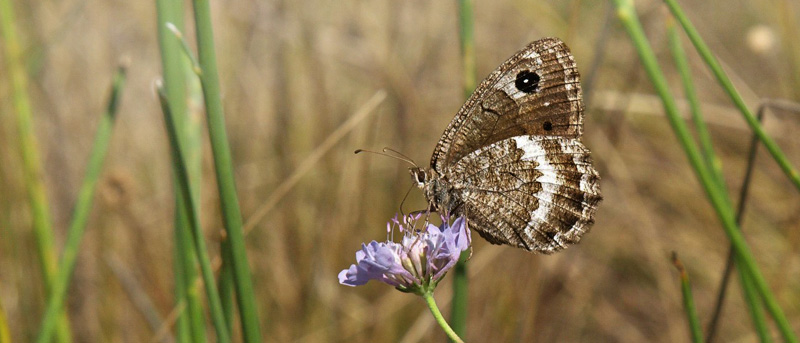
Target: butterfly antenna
401, 157
406, 158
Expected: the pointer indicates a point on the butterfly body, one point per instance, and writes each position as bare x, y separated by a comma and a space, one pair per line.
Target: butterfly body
511, 160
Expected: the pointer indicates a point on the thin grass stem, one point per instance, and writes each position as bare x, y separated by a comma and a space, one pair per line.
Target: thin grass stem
754, 305
183, 331
682, 65
365, 111
186, 249
751, 157
226, 283
688, 301
712, 162
630, 21
729, 264
178, 67
80, 215
223, 165
179, 161
727, 85
32, 169
187, 51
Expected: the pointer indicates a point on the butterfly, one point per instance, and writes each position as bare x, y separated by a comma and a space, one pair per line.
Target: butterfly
511, 160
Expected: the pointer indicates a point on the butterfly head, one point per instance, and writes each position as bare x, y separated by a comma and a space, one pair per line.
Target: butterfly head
428, 180
435, 188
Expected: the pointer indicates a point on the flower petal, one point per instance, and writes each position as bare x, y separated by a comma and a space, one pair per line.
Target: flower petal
352, 277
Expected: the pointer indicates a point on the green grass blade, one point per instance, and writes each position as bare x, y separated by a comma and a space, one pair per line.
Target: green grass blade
223, 164
727, 85
688, 301
193, 136
712, 163
466, 35
682, 65
756, 313
184, 46
754, 305
183, 332
226, 284
179, 161
178, 70
175, 89
195, 318
80, 215
630, 22
458, 315
33, 172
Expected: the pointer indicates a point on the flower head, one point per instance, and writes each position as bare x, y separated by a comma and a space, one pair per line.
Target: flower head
417, 263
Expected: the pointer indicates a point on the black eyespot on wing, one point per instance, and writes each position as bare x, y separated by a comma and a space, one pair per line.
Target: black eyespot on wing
547, 126
527, 81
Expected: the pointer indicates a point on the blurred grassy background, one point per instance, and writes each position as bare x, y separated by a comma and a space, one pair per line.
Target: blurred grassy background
293, 71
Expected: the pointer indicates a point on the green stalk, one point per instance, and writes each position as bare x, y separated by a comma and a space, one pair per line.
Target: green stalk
80, 215
466, 24
184, 46
466, 35
174, 84
32, 169
179, 161
713, 163
727, 85
183, 332
176, 69
428, 297
226, 283
193, 136
223, 164
746, 181
682, 65
188, 263
688, 301
754, 305
630, 21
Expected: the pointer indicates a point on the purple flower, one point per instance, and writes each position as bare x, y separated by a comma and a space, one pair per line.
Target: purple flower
415, 264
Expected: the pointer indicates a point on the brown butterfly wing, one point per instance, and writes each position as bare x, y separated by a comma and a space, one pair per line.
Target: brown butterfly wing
538, 193
535, 92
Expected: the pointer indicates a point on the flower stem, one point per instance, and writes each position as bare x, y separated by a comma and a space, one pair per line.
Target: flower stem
458, 314
428, 296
